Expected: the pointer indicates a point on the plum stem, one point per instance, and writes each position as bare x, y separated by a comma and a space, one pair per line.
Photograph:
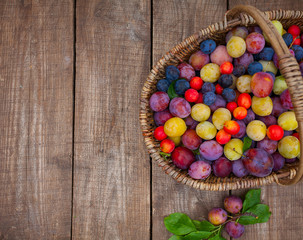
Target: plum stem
266, 66
237, 217
233, 149
219, 228
293, 42
233, 219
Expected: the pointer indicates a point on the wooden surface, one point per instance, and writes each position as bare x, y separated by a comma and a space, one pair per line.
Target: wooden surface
111, 166
171, 24
73, 164
36, 119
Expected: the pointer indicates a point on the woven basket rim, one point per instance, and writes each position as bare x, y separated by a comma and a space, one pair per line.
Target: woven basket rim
222, 184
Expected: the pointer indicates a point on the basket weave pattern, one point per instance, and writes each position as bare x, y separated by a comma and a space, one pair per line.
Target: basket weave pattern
245, 16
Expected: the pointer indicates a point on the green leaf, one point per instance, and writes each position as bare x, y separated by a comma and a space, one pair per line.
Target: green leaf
196, 152
179, 224
262, 212
171, 90
165, 155
204, 226
246, 220
197, 235
246, 143
174, 237
217, 237
252, 198
261, 215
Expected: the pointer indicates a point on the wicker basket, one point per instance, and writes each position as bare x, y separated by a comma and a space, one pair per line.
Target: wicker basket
240, 15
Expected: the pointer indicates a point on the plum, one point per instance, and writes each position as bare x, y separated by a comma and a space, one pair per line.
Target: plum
242, 131
250, 116
179, 107
258, 162
279, 161
270, 146
217, 216
261, 84
268, 120
198, 60
161, 117
278, 109
286, 100
246, 59
219, 103
234, 229
241, 32
186, 71
255, 29
199, 170
159, 101
238, 168
190, 122
220, 55
191, 140
233, 204
255, 42
222, 167
211, 150
182, 157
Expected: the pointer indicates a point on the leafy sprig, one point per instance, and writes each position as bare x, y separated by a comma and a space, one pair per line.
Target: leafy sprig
185, 228
165, 155
246, 144
171, 90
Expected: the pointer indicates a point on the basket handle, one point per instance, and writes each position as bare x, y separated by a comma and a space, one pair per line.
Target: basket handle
289, 68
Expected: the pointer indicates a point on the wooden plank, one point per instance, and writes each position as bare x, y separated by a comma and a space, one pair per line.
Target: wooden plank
266, 5
285, 202
172, 22
112, 168
36, 114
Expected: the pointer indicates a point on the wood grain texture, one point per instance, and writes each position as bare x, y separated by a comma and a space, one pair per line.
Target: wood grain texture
265, 5
172, 22
112, 168
286, 203
175, 20
36, 112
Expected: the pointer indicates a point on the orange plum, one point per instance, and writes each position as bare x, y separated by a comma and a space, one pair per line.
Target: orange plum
240, 113
244, 100
223, 137
167, 146
231, 127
